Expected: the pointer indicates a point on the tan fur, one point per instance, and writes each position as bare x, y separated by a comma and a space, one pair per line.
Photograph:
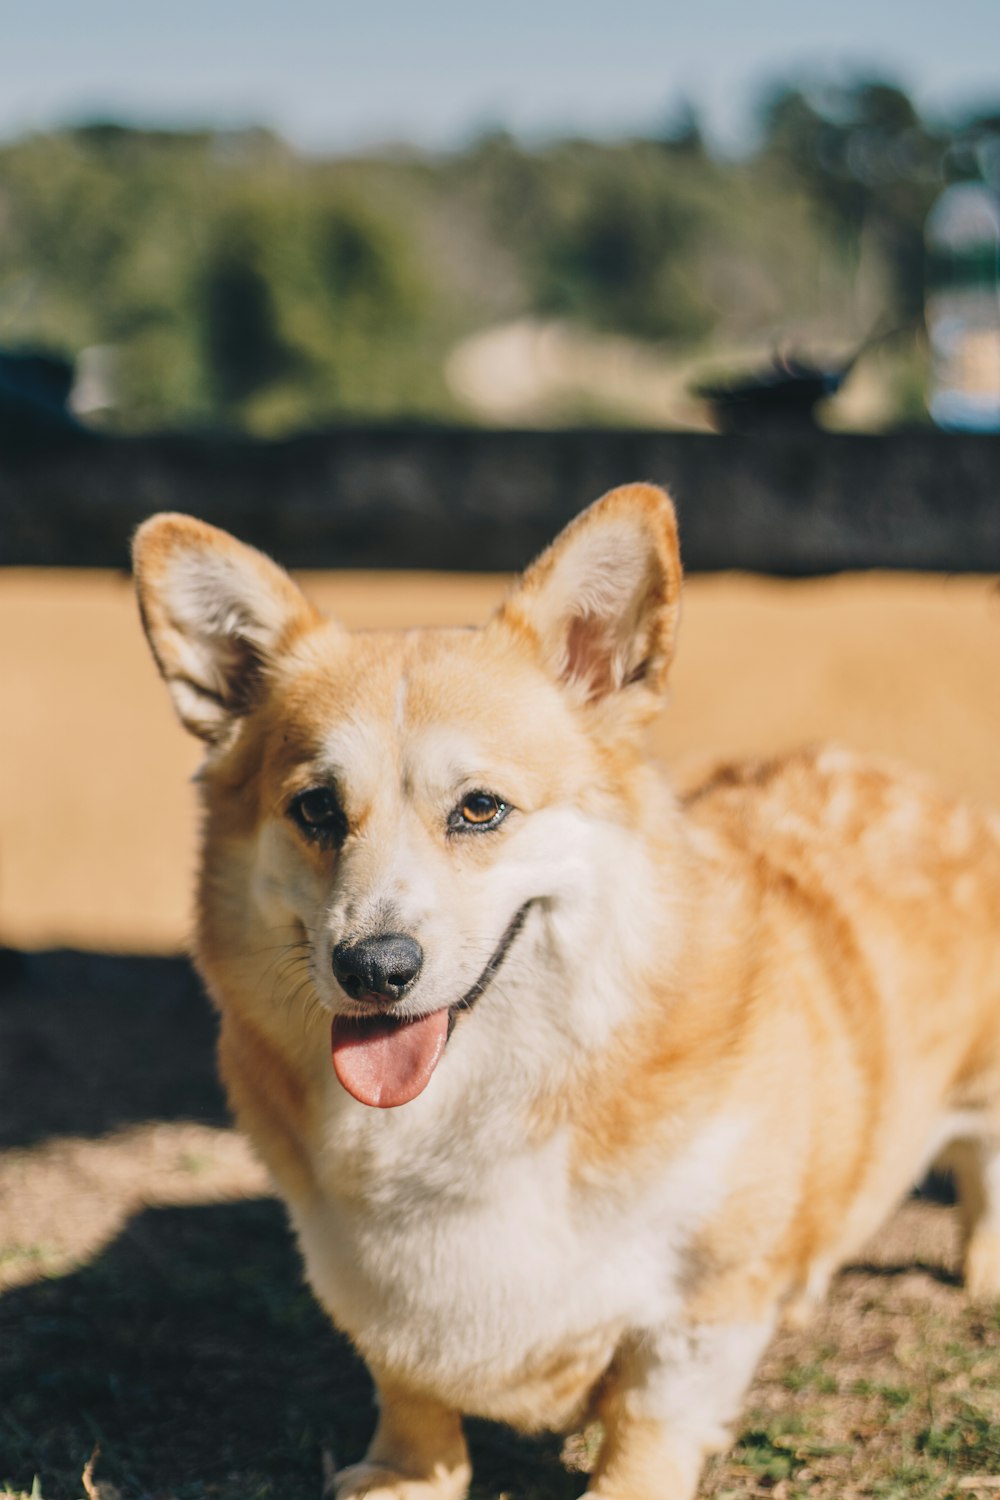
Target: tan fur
754, 1055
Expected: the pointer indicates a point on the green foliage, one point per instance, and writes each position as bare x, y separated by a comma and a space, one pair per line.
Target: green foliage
236, 283
871, 169
620, 253
239, 284
814, 1376
768, 1456
970, 1445
243, 348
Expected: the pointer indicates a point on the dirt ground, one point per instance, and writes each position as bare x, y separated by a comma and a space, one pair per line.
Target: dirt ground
151, 1303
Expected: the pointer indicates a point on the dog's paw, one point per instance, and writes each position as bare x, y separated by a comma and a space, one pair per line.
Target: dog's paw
371, 1481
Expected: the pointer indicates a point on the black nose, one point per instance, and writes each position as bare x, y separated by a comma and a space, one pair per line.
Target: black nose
377, 967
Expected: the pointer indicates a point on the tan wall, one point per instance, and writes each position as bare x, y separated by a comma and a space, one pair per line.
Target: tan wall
97, 814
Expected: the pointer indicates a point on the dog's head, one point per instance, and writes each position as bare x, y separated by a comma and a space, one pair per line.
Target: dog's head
392, 808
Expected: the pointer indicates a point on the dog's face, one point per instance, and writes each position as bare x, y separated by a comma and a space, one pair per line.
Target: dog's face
394, 806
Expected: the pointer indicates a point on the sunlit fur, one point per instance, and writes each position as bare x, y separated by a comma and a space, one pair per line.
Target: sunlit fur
738, 1021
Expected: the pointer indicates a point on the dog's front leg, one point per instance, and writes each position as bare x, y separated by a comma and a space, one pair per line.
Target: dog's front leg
418, 1452
667, 1403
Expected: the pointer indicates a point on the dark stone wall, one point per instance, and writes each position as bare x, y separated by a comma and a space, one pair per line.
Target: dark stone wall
794, 503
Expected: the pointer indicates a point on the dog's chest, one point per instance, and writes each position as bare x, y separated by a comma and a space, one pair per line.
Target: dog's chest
502, 1277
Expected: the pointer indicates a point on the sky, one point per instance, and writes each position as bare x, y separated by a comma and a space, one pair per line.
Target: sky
339, 76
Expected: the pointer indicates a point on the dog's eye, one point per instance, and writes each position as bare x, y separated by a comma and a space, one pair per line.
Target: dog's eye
319, 815
479, 810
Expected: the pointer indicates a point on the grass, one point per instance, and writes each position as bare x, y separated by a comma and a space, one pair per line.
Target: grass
922, 1423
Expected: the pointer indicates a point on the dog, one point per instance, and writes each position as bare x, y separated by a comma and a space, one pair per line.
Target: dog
573, 1084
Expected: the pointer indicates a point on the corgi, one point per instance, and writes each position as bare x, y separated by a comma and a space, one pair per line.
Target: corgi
573, 1083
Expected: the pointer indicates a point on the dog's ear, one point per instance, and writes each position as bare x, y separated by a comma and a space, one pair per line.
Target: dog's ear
601, 605
216, 614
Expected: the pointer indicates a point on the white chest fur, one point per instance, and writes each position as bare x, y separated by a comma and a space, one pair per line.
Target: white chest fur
474, 1282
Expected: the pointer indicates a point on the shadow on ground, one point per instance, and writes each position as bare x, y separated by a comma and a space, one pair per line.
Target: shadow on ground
90, 1042
193, 1354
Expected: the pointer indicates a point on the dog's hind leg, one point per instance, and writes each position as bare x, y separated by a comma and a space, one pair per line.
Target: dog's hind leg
418, 1452
976, 1165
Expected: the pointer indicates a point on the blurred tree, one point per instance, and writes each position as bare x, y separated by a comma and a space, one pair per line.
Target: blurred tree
617, 259
244, 350
681, 131
605, 234
869, 166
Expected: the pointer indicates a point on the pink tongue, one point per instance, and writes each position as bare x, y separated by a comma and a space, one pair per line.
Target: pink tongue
385, 1063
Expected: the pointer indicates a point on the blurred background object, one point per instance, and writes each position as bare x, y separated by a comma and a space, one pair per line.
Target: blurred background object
784, 394
963, 307
35, 393
222, 278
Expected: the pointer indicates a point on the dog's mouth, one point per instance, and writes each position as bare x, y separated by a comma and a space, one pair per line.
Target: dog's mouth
385, 1061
